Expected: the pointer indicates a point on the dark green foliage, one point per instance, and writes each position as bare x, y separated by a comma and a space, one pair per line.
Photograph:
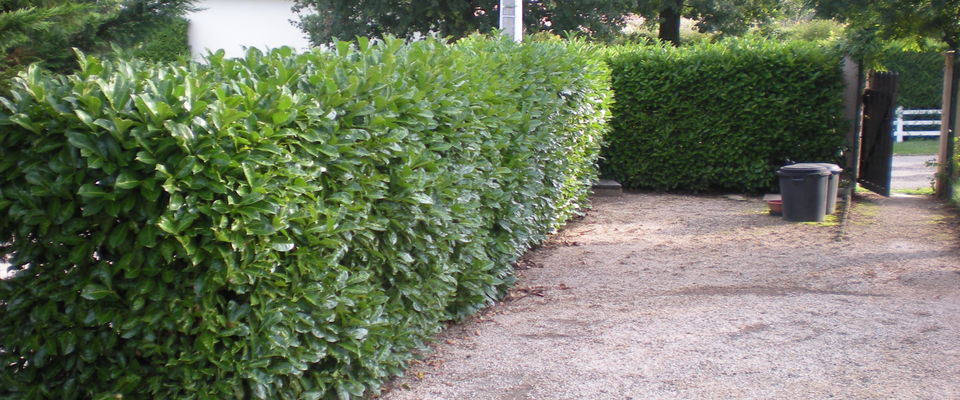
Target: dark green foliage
597, 19
46, 31
732, 17
280, 226
22, 20
725, 17
324, 20
168, 42
813, 29
721, 116
920, 73
917, 20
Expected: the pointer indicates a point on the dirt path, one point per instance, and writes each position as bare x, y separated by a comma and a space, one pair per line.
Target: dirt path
683, 297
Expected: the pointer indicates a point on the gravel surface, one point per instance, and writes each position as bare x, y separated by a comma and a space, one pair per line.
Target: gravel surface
655, 296
913, 172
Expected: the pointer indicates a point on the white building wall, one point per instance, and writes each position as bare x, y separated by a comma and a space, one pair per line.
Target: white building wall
232, 25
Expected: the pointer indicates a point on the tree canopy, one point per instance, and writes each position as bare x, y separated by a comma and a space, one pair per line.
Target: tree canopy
733, 17
916, 20
46, 30
326, 19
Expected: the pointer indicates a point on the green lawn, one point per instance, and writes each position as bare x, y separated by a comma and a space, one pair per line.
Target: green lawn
915, 147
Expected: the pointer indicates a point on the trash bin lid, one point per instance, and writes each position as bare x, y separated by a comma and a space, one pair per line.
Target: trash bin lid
833, 168
801, 169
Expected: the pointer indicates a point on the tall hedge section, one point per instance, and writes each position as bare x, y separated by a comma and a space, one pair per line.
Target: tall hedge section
721, 116
920, 76
280, 226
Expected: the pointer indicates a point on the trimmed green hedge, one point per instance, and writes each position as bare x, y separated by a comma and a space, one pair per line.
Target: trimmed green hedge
721, 116
281, 226
920, 75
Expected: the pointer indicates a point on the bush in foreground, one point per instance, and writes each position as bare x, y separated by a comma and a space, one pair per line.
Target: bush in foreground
280, 226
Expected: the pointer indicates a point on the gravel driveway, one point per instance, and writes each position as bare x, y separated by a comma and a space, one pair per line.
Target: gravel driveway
913, 172
657, 296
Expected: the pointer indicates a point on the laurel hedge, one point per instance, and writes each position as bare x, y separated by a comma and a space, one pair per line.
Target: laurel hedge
721, 116
279, 226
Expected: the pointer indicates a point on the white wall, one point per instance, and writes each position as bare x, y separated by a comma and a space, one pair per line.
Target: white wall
232, 24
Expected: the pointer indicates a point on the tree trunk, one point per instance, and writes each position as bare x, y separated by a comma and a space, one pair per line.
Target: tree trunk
670, 22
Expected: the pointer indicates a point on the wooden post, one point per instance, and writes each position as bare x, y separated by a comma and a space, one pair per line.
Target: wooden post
853, 110
851, 100
511, 19
945, 170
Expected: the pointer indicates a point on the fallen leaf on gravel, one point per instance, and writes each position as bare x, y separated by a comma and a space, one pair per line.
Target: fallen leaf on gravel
522, 292
523, 264
561, 243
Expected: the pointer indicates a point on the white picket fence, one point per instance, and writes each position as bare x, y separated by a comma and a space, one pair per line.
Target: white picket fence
911, 123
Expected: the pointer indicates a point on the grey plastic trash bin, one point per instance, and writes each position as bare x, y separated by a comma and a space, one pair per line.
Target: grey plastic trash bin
833, 185
803, 190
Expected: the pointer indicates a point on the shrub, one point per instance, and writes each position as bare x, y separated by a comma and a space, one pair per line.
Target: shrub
812, 30
920, 76
168, 43
280, 226
721, 116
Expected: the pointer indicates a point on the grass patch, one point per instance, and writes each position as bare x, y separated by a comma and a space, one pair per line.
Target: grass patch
923, 191
955, 200
917, 147
867, 209
918, 191
863, 212
828, 220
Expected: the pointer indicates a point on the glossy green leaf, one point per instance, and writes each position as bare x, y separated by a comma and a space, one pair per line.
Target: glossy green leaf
126, 181
92, 191
282, 246
95, 292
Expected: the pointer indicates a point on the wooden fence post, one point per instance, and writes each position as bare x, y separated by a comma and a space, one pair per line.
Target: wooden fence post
853, 89
945, 170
